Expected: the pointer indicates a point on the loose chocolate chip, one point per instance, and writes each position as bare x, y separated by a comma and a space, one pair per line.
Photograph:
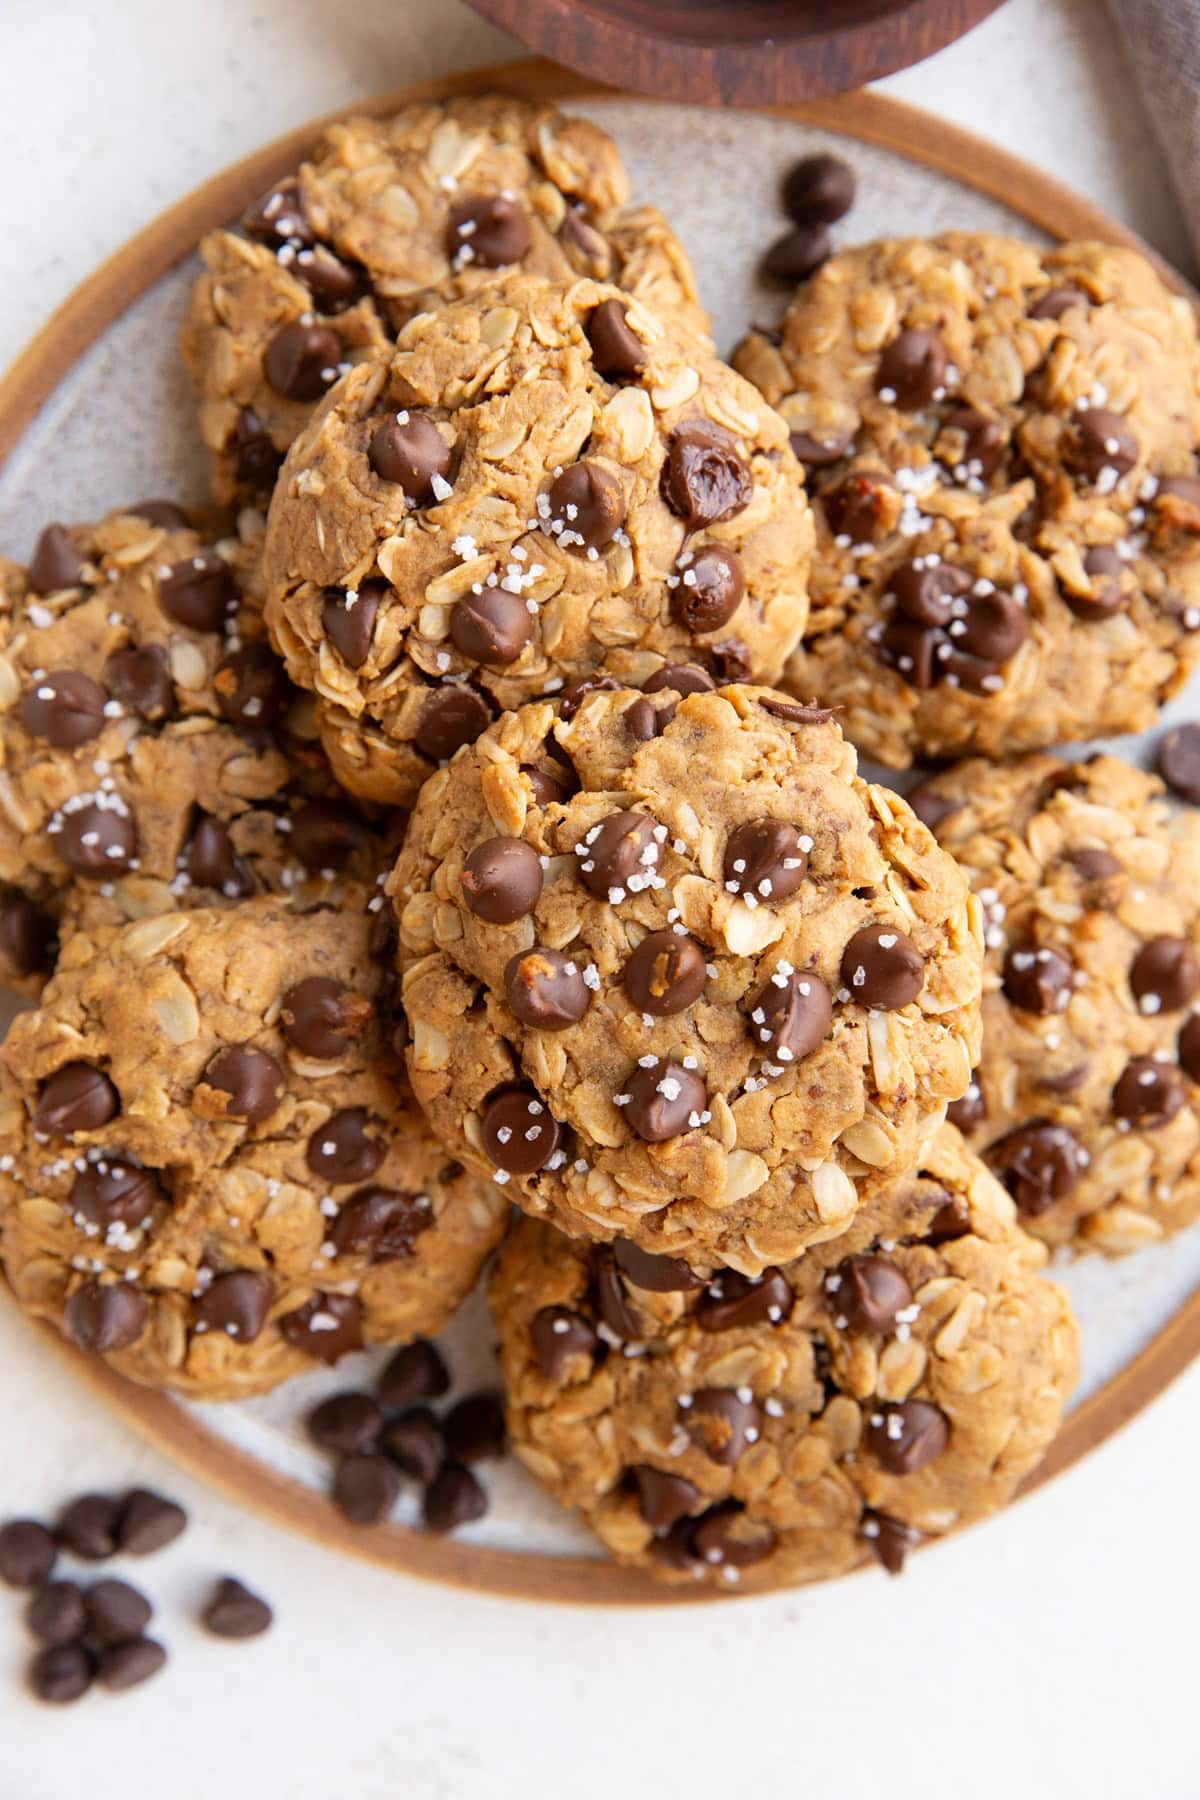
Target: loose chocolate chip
65, 707
128, 1664
734, 1302
492, 627
722, 1421
610, 1299
1179, 761
322, 1017
560, 1338
326, 1327
198, 593
348, 618
883, 968
409, 450
279, 217
547, 791
930, 806
148, 1522
232, 1611
798, 254
925, 592
654, 1274
912, 369
666, 974
1100, 441
890, 1540
366, 1486
663, 1499
1105, 596
452, 716
1038, 981
1039, 1165
616, 348
141, 681
709, 590
27, 1553
817, 452
487, 230
619, 856
61, 1673
105, 1319
345, 1422
256, 460
340, 1150
301, 361
819, 187
115, 1611
55, 1614
211, 861
111, 1192
907, 1435
236, 1303
985, 442
163, 513
416, 1372
252, 1080
1165, 975
705, 478
855, 506
665, 1100
475, 1430
520, 1135
325, 834
89, 1527
870, 1293
252, 688
77, 1097
333, 284
56, 563
97, 839
1056, 301
453, 1498
587, 506
970, 1111
502, 880
380, 1223
1148, 1093
415, 1444
545, 989
28, 936
680, 678
765, 860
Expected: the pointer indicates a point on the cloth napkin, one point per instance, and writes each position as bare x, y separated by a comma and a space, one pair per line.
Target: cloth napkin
1163, 40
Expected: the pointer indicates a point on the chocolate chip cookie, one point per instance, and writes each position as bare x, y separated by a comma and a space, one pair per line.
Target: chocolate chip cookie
1002, 444
756, 1433
674, 973
214, 1175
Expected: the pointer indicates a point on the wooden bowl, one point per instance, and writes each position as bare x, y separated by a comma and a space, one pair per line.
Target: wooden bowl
759, 53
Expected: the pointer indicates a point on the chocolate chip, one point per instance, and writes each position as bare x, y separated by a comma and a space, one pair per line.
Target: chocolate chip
28, 1553
907, 1435
643, 722
252, 1080
345, 1422
28, 936
883, 968
1105, 597
97, 839
654, 1274
252, 688
55, 1613
798, 254
1056, 301
610, 1299
502, 880
487, 230
705, 478
340, 1150
930, 806
1095, 865
77, 1097
56, 564
140, 680
727, 1537
995, 627
380, 1223
1038, 981
890, 1539
409, 450
663, 1499
925, 591
366, 1486
1100, 441
323, 1018
301, 361
333, 284
148, 1522
1177, 501
912, 369
279, 217
492, 627
587, 506
709, 590
723, 1422
61, 1673
256, 460
765, 860
520, 1134
453, 1498
326, 1327
735, 1302
1179, 761
348, 618
819, 187
236, 1303
210, 861
616, 348
65, 707
127, 1665
547, 791
545, 989
819, 453
198, 593
1065, 1082
475, 1429
163, 513
232, 1611
1148, 1093
416, 1372
665, 1100
1189, 1048
985, 442
620, 855
452, 716
1165, 975
855, 507
111, 1192
562, 1339
325, 834
1039, 1165
970, 1111
666, 974
870, 1293
575, 693
115, 1611
680, 678
89, 1527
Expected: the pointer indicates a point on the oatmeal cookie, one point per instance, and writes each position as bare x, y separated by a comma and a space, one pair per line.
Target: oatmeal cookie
549, 487
214, 1174
760, 1433
389, 218
677, 974
1002, 443
1086, 1102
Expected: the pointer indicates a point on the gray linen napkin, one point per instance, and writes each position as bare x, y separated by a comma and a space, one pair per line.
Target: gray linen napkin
1163, 40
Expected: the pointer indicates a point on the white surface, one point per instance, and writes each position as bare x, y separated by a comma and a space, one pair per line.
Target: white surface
1048, 1648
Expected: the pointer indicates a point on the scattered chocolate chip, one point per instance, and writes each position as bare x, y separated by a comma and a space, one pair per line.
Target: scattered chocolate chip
820, 453
323, 1018
665, 1100
663, 1499
587, 506
301, 361
56, 564
1056, 301
61, 1673
345, 1422
256, 460
409, 450
141, 681
1105, 596
128, 1664
90, 1527
415, 1444
104, 1319
115, 1611
854, 508
1165, 975
97, 839
325, 834
453, 1498
502, 880
252, 1080
475, 1430
666, 974
545, 989
55, 1613
680, 678
1179, 761
1100, 441
722, 1421
348, 618
252, 689
279, 217
620, 855
366, 1486
985, 442
735, 1302
616, 348
416, 1372
211, 861
765, 860
27, 1553
236, 1303
907, 1435
1148, 1093
63, 707
705, 478
970, 1111
912, 369
1038, 981
487, 230
709, 590
930, 806
148, 1522
327, 1327
77, 1097
232, 1611
889, 1539
819, 187
198, 593
654, 1274
798, 254
341, 1150
1039, 1165
112, 1192
520, 1134
883, 968
28, 936
491, 627
870, 1294
561, 1338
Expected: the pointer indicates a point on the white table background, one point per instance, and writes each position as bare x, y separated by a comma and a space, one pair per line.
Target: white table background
1048, 1652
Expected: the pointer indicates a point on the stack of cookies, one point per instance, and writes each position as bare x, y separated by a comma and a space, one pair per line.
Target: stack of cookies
465, 817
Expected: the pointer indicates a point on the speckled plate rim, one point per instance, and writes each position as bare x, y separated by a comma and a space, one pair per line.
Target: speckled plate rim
72, 331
